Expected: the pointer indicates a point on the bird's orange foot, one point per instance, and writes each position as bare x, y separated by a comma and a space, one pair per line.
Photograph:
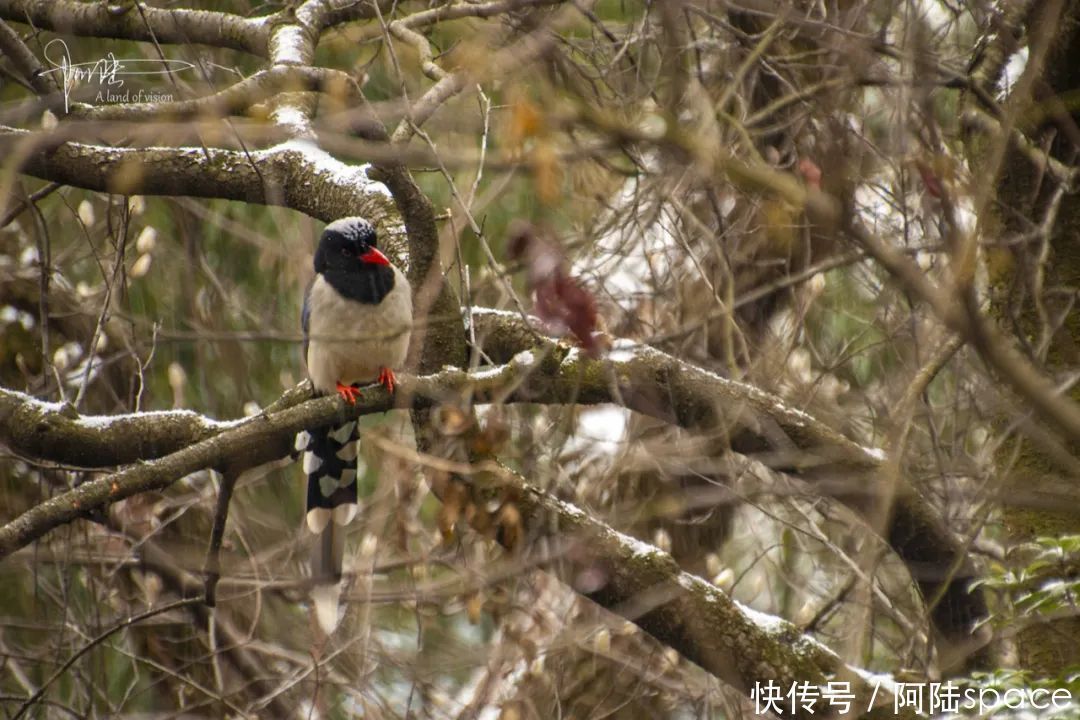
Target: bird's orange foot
387, 379
348, 393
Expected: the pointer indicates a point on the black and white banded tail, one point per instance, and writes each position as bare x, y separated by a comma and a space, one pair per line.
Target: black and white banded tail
329, 461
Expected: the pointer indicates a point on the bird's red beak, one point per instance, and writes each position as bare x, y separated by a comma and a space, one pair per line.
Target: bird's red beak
374, 257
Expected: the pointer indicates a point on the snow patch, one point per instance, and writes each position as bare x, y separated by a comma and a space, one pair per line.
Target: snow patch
622, 351
325, 164
880, 680
487, 373
103, 422
294, 119
770, 624
288, 45
604, 425
1013, 70
876, 453
525, 358
640, 549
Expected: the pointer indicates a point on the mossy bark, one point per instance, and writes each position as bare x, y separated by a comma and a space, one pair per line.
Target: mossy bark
1024, 197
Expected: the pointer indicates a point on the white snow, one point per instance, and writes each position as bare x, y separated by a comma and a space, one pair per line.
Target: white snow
294, 119
326, 165
288, 45
622, 351
101, 422
885, 682
1013, 70
525, 358
641, 549
768, 623
487, 373
494, 311
876, 453
604, 426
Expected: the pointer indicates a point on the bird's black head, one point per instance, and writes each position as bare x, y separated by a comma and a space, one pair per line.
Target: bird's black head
347, 257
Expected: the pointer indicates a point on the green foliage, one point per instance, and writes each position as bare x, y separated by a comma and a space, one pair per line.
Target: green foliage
992, 688
1043, 580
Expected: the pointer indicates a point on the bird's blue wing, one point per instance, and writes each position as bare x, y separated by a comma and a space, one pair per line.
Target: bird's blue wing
305, 317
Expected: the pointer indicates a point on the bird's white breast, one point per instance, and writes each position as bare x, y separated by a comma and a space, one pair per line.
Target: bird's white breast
349, 341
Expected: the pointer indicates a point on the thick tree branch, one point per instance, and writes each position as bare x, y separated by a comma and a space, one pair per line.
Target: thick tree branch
642, 379
295, 174
24, 61
646, 586
145, 23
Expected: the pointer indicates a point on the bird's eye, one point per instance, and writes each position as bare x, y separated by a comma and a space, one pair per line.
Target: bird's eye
345, 251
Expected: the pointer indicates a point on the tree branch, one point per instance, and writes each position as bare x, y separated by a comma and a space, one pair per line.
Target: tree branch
147, 24
24, 60
646, 586
295, 174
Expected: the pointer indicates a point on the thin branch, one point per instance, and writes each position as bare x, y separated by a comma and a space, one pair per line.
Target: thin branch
102, 637
212, 566
993, 347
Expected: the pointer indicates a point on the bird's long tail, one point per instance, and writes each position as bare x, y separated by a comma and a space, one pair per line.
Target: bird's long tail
329, 461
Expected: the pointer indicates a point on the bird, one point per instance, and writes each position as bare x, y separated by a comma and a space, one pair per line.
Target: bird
356, 321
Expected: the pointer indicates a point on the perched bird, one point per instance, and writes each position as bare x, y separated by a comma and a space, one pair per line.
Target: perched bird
356, 319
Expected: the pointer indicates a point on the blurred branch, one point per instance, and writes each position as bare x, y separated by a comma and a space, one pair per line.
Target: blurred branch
824, 210
958, 313
24, 61
456, 11
520, 53
212, 566
71, 318
974, 121
320, 15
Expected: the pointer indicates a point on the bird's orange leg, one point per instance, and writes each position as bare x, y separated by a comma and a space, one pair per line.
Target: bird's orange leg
348, 393
387, 379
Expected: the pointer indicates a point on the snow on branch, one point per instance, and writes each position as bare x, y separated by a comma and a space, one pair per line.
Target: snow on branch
146, 24
295, 174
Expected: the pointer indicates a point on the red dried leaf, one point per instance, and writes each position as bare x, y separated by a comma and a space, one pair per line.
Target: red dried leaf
811, 173
930, 178
560, 301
